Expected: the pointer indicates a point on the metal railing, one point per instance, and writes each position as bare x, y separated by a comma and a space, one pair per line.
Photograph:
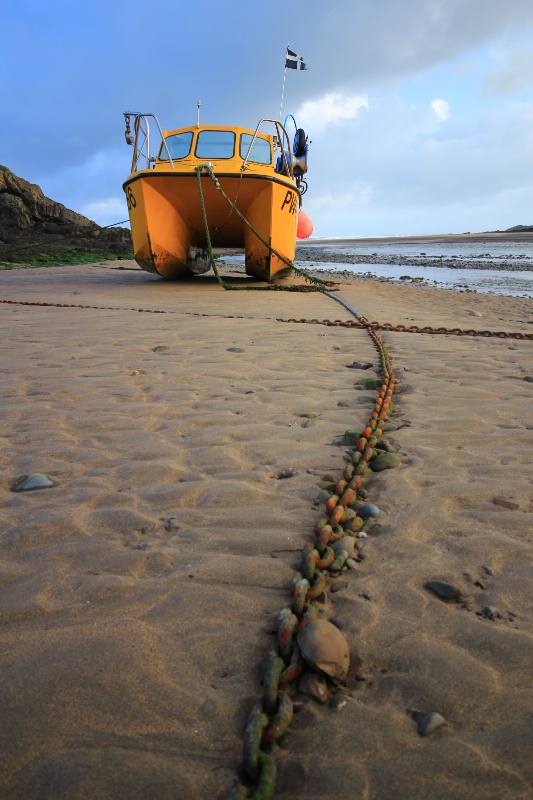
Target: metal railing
281, 133
141, 140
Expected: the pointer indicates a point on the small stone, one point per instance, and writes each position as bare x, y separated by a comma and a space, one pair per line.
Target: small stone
314, 684
309, 423
428, 722
347, 543
360, 365
503, 503
160, 348
489, 612
137, 372
351, 563
286, 473
232, 349
343, 404
363, 494
368, 510
32, 481
323, 496
324, 648
444, 590
362, 535
338, 585
337, 702
351, 437
528, 379
384, 461
309, 415
488, 571
475, 314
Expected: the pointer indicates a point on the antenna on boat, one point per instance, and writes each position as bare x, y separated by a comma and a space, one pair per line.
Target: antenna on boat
198, 104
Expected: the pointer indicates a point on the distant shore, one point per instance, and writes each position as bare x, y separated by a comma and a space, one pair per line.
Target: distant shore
445, 238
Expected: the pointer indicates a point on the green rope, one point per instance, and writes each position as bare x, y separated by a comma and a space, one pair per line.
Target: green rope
318, 284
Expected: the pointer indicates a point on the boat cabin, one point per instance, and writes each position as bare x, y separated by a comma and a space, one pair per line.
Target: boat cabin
228, 149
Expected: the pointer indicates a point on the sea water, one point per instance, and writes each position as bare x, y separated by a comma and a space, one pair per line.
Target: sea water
495, 267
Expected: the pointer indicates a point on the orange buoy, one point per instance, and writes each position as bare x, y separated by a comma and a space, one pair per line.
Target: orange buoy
304, 229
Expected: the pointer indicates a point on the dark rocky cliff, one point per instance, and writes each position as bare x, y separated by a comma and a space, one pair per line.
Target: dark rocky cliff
33, 225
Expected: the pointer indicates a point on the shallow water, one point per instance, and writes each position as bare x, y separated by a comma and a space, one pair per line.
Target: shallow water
488, 267
497, 281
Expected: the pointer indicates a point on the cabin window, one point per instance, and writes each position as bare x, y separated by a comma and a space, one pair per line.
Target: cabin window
179, 146
215, 144
260, 152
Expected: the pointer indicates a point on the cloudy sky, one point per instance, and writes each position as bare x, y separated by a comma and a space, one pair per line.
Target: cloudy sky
420, 112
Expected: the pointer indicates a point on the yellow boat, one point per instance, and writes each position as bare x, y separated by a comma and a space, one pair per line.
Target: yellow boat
213, 185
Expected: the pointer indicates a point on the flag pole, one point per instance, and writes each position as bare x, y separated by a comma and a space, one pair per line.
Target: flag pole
283, 87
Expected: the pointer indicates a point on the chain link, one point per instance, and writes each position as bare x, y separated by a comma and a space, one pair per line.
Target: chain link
387, 326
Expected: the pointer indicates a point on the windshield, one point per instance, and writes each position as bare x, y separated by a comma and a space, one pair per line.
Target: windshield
179, 146
260, 153
215, 144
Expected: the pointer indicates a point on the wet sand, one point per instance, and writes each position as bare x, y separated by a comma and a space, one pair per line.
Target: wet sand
139, 595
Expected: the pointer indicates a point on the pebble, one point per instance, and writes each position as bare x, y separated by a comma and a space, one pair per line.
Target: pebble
355, 524
368, 510
384, 461
351, 563
233, 349
475, 314
286, 473
31, 481
160, 348
489, 612
309, 423
324, 648
338, 585
351, 436
488, 571
347, 543
309, 415
337, 702
343, 404
528, 378
360, 365
444, 590
503, 503
428, 722
315, 685
362, 535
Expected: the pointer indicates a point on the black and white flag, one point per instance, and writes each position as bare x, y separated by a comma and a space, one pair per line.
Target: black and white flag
292, 61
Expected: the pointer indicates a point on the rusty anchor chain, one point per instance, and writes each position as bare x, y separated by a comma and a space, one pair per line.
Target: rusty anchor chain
283, 663
387, 326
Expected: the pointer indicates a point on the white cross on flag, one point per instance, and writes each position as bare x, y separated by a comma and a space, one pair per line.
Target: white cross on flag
292, 61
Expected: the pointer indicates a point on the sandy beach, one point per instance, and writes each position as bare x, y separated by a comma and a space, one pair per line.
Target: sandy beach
139, 595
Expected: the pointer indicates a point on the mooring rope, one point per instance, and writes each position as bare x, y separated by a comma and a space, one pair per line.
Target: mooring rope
317, 284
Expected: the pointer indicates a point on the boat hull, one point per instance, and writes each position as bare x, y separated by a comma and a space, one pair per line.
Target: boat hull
168, 229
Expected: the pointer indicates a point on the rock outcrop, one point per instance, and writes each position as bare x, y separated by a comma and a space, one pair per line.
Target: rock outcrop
32, 223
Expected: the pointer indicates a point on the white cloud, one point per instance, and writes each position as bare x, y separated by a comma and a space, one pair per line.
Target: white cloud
441, 108
330, 109
106, 212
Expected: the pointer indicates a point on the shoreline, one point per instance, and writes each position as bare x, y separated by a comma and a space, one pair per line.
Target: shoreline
447, 238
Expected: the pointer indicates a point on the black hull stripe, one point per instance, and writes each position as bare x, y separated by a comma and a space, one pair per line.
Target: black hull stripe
154, 174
